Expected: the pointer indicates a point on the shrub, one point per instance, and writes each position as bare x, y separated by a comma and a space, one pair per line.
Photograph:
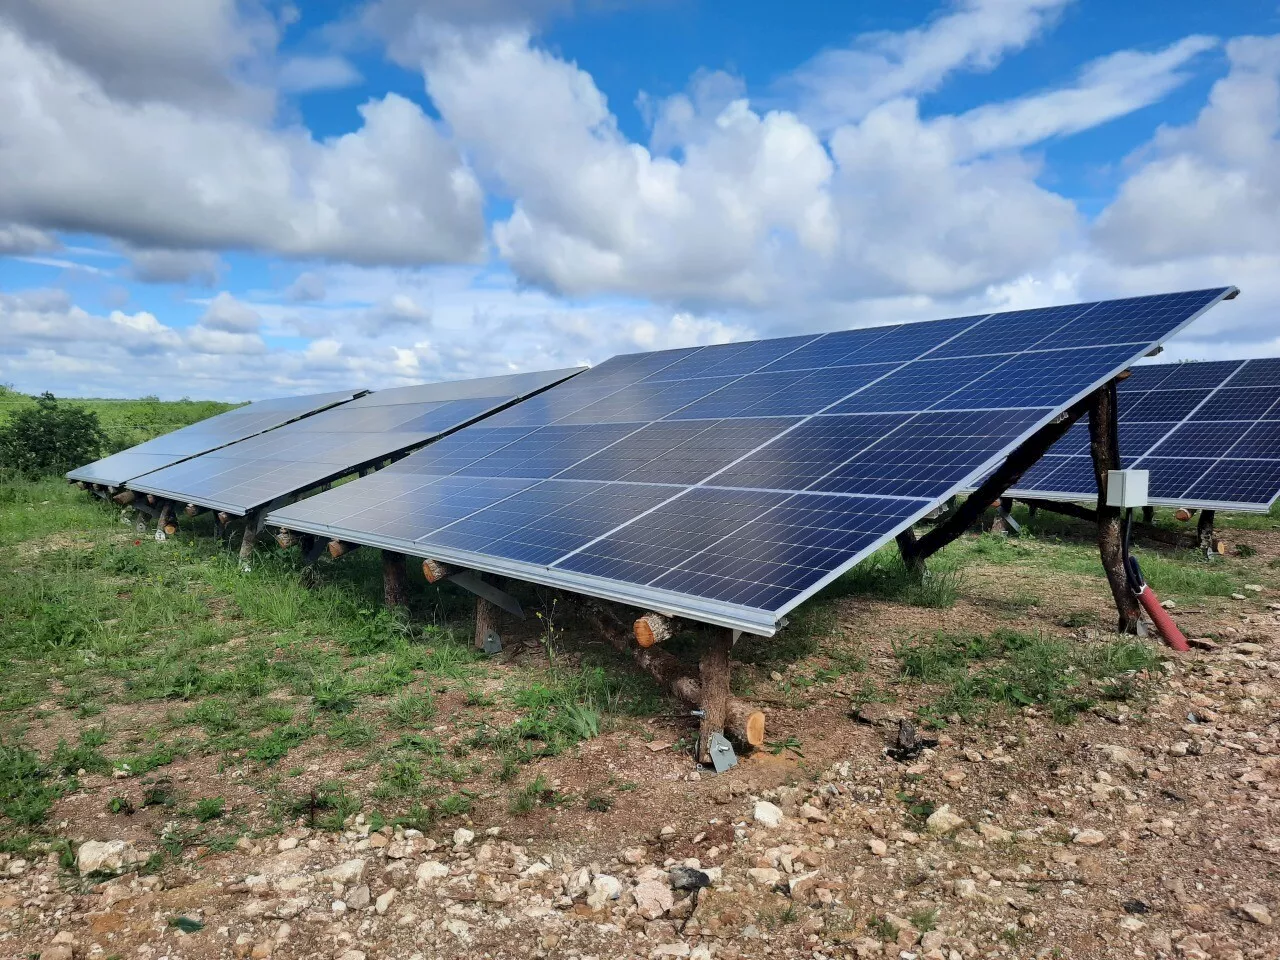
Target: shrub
50, 438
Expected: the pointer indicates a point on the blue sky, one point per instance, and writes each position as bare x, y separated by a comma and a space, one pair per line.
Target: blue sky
245, 199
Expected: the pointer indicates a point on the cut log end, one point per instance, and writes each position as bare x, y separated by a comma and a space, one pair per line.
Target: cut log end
151, 499
653, 628
191, 510
170, 529
285, 539
753, 728
340, 548
434, 571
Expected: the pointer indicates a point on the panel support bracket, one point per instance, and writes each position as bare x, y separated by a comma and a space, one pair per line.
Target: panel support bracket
472, 583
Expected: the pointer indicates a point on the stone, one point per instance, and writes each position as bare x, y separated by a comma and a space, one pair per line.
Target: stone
1255, 912
111, 856
383, 903
767, 814
802, 886
352, 871
56, 952
462, 836
603, 889
965, 888
765, 876
633, 855
689, 878
352, 955
1090, 838
431, 871
288, 843
942, 821
459, 928
653, 899
671, 950
994, 834
877, 846
359, 897
812, 814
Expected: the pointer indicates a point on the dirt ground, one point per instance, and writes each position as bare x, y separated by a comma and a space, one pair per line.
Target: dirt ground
1149, 827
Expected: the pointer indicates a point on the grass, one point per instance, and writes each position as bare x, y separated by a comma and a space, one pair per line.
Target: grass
884, 576
975, 672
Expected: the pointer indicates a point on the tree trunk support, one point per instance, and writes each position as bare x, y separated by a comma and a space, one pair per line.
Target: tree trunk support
713, 672
1148, 515
916, 551
166, 521
1104, 446
487, 636
743, 723
247, 540
395, 584
1204, 533
653, 628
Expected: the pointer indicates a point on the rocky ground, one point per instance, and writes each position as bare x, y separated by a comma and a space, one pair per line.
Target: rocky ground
1117, 836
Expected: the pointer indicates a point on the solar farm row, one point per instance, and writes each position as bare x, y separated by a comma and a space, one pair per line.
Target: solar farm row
729, 483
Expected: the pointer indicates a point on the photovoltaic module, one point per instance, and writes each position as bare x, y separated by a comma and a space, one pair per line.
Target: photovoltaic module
729, 483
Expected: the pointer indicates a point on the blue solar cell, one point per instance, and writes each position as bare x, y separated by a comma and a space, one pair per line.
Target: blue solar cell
930, 453
1162, 406
731, 481
1196, 439
1260, 442
1238, 481
1257, 373
1239, 403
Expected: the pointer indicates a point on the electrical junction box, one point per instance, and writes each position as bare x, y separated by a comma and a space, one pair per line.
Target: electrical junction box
1127, 489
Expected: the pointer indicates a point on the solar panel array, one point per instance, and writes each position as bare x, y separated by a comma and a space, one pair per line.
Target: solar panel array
246, 475
1209, 433
248, 421
729, 483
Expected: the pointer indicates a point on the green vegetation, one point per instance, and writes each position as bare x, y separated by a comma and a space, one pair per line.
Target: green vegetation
1011, 669
885, 576
49, 438
124, 422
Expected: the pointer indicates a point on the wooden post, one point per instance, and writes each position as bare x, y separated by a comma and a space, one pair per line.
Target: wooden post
433, 571
167, 520
125, 497
191, 510
713, 671
916, 552
248, 538
1003, 506
653, 628
1104, 446
743, 722
395, 588
1204, 531
1148, 514
486, 618
340, 548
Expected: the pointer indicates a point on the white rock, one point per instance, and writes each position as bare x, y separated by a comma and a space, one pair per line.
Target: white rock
359, 897
111, 856
383, 903
1256, 912
765, 876
603, 889
288, 843
462, 836
352, 955
431, 871
352, 871
767, 813
653, 899
1090, 838
965, 888
942, 821
877, 846
991, 832
671, 950
459, 928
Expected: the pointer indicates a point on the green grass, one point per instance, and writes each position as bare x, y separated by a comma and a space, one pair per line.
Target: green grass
1005, 668
884, 576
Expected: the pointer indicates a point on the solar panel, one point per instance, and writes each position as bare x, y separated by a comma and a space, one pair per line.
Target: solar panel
251, 473
247, 421
729, 483
1209, 433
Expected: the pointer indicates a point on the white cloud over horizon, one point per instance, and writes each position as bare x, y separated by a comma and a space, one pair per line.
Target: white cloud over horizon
840, 197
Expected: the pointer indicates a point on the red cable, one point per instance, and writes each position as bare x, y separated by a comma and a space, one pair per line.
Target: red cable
1160, 617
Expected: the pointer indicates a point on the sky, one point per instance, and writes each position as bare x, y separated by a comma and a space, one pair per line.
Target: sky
239, 199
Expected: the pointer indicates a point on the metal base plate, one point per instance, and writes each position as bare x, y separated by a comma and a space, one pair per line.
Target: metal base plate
722, 756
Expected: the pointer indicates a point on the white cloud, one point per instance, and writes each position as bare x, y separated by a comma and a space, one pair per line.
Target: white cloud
197, 267
156, 174
305, 74
1212, 187
1110, 87
226, 313
196, 52
306, 287
843, 85
19, 240
596, 212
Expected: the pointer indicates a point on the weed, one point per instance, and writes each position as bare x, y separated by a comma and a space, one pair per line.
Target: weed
534, 793
411, 709
599, 804
209, 808
883, 929
186, 924
118, 805
352, 731
26, 790
454, 805
884, 575
925, 919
